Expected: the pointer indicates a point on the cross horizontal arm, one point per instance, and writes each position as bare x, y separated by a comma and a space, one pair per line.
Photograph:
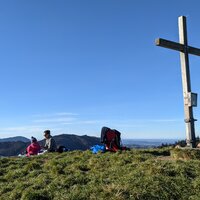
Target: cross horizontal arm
176, 46
194, 51
169, 44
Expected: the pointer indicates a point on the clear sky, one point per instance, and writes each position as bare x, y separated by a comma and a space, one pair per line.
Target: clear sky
73, 66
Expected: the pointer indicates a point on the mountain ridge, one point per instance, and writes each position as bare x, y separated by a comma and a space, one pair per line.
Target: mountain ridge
15, 139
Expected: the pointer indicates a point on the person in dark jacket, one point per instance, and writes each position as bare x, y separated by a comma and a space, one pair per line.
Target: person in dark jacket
50, 143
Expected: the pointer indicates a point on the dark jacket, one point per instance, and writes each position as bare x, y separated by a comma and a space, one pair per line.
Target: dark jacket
50, 144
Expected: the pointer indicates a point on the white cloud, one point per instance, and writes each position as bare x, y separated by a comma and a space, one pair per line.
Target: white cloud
55, 120
66, 114
20, 128
50, 115
66, 122
26, 131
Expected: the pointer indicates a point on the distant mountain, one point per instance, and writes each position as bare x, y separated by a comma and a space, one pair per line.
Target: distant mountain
71, 142
74, 142
12, 148
15, 139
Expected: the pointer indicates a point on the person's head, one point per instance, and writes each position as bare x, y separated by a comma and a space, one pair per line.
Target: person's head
33, 139
47, 133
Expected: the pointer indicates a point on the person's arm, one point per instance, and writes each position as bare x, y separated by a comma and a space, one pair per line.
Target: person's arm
46, 145
38, 147
28, 150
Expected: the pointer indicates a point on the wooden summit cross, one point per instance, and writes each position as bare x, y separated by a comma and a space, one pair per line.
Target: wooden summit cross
190, 99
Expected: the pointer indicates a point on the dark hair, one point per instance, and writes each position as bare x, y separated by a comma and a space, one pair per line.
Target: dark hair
47, 132
33, 139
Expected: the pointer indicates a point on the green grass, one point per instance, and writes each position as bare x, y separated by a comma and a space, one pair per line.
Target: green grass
136, 174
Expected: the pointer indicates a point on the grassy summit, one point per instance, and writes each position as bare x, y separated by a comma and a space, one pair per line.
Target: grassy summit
136, 174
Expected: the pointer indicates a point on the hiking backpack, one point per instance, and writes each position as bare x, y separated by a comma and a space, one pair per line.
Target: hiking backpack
111, 138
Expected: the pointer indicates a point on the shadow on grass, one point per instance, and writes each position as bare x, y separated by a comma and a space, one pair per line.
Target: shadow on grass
158, 152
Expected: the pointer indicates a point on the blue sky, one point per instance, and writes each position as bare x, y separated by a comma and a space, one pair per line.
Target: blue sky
73, 66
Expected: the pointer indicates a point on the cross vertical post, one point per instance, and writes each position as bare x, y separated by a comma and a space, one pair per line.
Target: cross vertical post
190, 99
185, 71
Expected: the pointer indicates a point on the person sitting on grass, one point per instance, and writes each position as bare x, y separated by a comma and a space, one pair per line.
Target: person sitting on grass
33, 148
50, 144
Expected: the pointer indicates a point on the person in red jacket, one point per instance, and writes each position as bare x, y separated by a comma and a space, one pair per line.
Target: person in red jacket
33, 148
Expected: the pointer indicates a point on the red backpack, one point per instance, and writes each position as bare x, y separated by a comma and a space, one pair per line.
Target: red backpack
111, 138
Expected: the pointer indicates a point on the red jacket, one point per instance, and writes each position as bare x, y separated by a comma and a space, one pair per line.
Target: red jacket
33, 149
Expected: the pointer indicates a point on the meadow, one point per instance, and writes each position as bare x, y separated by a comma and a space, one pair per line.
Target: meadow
77, 175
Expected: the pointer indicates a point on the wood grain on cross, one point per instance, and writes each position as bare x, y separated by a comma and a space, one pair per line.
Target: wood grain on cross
184, 50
